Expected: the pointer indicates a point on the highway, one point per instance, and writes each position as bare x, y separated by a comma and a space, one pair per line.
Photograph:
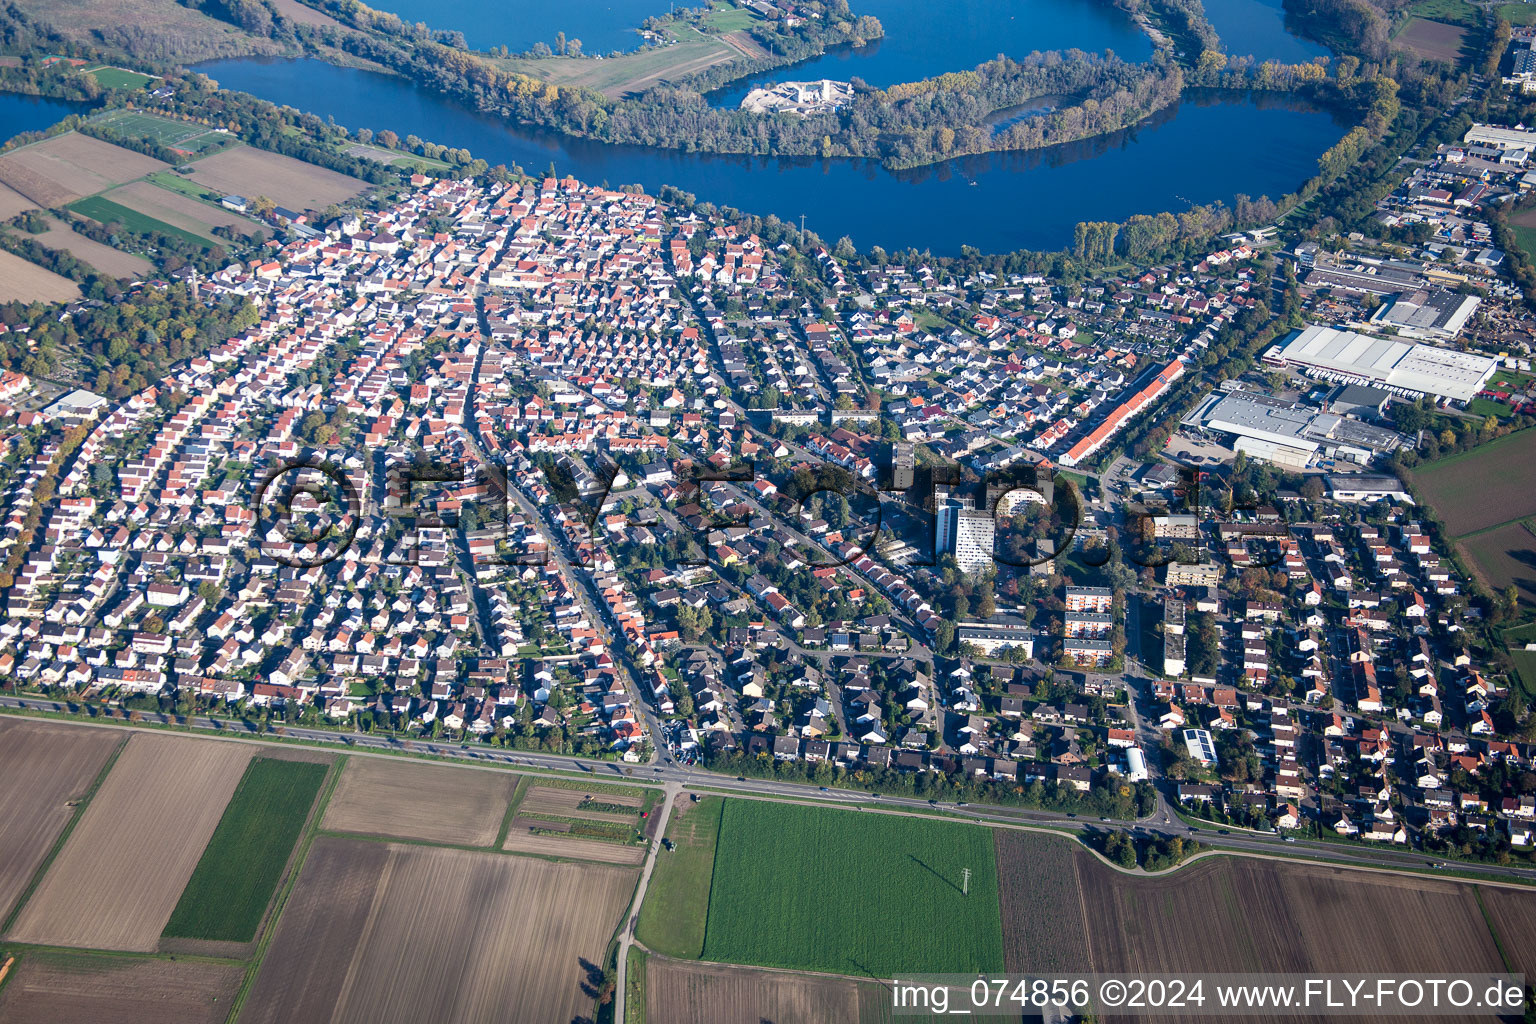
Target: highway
672, 773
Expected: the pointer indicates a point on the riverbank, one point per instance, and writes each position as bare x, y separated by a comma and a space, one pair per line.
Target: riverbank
1273, 147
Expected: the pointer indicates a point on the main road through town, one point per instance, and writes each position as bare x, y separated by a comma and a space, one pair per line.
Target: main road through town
1231, 840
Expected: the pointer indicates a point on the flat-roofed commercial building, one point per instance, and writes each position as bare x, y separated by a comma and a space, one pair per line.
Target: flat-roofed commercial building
1291, 435
1500, 138
1428, 313
1400, 366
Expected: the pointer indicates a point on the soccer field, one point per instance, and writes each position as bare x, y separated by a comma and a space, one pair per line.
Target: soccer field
120, 78
165, 131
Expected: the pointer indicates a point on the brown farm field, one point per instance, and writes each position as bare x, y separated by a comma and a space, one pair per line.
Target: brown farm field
103, 257
1035, 869
13, 202
1513, 916
1482, 496
1505, 555
158, 806
46, 768
1245, 914
68, 167
415, 800
62, 988
1491, 484
377, 933
178, 210
1434, 40
679, 992
24, 281
251, 172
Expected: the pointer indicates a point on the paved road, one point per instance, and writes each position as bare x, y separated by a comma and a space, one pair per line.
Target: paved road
1233, 840
671, 791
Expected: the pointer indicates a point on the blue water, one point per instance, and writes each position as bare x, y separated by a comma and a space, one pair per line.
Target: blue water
922, 41
20, 113
1256, 28
1209, 147
603, 26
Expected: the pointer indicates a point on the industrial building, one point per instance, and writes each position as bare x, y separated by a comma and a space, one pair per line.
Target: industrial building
1500, 138
1404, 368
1367, 488
1290, 435
1428, 313
1373, 279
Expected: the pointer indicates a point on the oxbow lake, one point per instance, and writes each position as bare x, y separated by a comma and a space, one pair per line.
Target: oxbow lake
926, 39
1211, 146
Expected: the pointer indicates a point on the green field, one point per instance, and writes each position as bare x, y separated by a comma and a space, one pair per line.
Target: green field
164, 131
729, 18
176, 183
120, 78
1458, 12
233, 882
630, 72
1525, 670
1518, 14
852, 893
108, 212
677, 901
1524, 236
1488, 407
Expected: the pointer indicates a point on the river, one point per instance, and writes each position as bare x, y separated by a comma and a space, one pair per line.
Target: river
1209, 147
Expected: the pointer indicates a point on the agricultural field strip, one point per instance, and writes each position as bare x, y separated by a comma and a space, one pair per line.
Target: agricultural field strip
382, 932
1475, 491
103, 257
67, 167
24, 281
232, 885
285, 889
695, 992
50, 987
159, 805
417, 800
249, 172
45, 768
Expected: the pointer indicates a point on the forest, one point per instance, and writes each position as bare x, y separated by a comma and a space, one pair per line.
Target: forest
124, 345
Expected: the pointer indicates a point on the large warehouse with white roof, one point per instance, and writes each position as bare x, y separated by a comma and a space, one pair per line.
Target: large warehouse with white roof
1386, 362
